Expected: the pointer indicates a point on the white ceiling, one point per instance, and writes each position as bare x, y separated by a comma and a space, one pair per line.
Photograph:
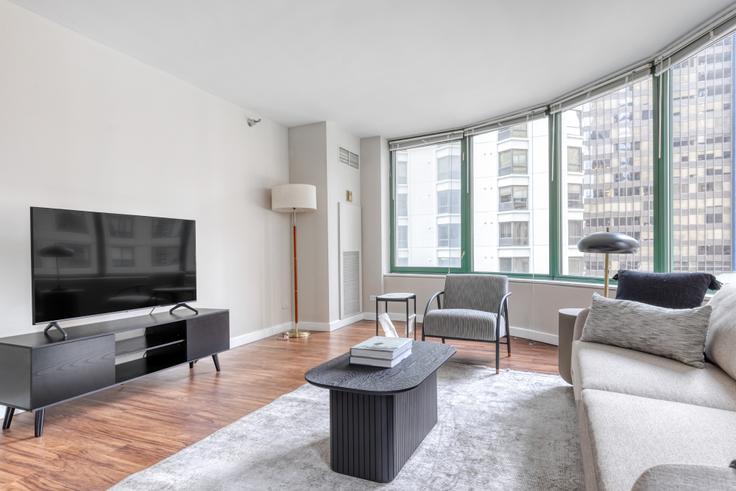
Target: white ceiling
383, 67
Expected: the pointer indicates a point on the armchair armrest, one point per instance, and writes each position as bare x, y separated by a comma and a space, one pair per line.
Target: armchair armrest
503, 308
437, 296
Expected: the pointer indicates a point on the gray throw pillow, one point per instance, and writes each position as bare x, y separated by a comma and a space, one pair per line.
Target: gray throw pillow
673, 333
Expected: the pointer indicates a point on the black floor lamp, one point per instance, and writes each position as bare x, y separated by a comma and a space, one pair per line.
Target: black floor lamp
608, 243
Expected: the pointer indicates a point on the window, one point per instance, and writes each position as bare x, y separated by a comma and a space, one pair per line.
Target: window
448, 201
514, 265
513, 234
574, 232
448, 235
515, 131
164, 227
428, 206
448, 163
402, 205
165, 256
605, 179
402, 237
574, 159
513, 161
122, 257
616, 191
401, 177
513, 198
120, 226
702, 160
574, 195
71, 221
575, 266
511, 211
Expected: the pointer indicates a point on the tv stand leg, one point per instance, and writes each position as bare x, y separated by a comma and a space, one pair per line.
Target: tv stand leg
183, 305
54, 325
9, 412
191, 365
40, 413
216, 359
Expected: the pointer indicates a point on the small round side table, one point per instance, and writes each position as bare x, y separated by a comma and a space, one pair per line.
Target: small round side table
565, 328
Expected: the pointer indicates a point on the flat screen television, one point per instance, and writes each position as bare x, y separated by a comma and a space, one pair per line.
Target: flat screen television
87, 263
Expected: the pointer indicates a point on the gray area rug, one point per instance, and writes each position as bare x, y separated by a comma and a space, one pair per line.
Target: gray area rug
516, 430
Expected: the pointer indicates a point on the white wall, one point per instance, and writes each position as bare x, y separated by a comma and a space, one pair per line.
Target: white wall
313, 159
85, 127
374, 169
340, 178
307, 157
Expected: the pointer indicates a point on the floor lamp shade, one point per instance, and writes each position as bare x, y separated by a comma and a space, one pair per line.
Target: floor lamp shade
290, 198
608, 243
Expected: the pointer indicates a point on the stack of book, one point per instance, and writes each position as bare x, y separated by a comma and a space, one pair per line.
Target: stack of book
380, 351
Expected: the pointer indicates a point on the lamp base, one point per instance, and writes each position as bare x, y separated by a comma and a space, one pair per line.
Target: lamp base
293, 334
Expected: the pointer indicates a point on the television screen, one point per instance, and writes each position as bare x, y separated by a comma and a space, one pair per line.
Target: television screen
87, 263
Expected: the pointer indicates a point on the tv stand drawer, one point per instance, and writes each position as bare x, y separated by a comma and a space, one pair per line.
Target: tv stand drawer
67, 370
208, 334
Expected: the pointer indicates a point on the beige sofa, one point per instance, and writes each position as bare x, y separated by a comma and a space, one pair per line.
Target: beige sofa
648, 422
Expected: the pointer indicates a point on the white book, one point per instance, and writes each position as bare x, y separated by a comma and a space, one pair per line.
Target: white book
373, 362
381, 347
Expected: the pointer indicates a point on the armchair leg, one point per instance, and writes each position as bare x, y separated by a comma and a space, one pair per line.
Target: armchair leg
508, 344
443, 340
498, 353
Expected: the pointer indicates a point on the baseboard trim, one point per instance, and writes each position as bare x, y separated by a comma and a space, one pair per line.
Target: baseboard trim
331, 326
521, 332
251, 337
534, 335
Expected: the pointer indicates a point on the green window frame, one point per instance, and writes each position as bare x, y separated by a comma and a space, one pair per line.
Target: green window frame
662, 197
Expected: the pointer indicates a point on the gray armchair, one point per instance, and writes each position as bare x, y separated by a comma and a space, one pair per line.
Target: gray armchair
475, 309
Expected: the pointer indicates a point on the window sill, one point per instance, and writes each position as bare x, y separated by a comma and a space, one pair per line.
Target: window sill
538, 281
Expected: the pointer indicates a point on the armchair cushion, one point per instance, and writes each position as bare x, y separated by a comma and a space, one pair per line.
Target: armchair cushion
463, 324
474, 291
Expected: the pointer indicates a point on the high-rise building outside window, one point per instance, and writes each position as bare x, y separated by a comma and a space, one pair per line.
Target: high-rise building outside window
510, 198
427, 206
702, 98
609, 184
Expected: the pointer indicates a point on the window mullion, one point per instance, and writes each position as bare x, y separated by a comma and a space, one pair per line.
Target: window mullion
662, 205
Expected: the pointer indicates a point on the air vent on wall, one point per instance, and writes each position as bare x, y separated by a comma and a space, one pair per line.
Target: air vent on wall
349, 158
351, 283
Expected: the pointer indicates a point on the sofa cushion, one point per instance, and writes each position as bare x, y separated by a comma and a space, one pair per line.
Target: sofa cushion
603, 367
628, 434
670, 290
720, 344
675, 333
462, 324
684, 477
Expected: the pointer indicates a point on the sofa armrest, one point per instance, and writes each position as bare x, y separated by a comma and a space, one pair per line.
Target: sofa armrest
579, 323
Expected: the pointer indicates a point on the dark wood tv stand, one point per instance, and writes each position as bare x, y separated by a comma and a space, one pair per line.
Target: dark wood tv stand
40, 370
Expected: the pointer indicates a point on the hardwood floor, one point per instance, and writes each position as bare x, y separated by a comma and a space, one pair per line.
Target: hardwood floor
96, 441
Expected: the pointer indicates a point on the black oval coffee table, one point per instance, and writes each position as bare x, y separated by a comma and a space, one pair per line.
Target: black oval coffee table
379, 416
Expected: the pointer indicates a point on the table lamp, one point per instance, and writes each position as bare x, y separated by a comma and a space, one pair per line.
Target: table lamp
608, 243
294, 198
